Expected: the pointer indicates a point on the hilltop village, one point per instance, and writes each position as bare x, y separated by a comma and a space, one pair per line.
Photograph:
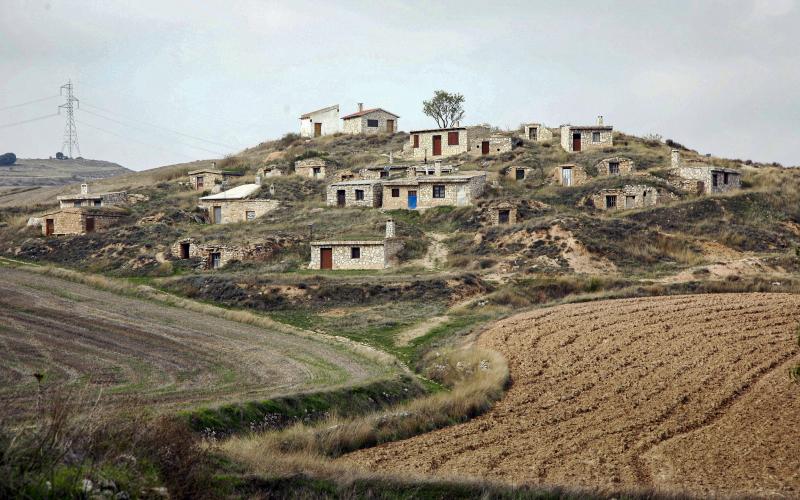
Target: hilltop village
443, 167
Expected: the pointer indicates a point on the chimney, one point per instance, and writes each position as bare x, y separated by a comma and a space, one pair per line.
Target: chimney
389, 228
599, 119
437, 168
360, 107
411, 171
213, 164
675, 158
258, 180
84, 189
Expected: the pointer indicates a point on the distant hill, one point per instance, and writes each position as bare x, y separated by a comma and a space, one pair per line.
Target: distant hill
45, 172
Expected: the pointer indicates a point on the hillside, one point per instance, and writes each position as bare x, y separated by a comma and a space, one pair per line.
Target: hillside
50, 172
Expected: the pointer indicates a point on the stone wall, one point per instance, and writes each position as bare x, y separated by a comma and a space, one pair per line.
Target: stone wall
210, 179
89, 200
627, 197
497, 144
625, 165
606, 137
694, 175
541, 133
511, 172
373, 194
228, 253
494, 214
358, 124
460, 193
425, 149
237, 210
579, 175
305, 168
373, 254
74, 221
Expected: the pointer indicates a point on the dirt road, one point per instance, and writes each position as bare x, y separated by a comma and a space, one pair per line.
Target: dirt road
675, 393
158, 354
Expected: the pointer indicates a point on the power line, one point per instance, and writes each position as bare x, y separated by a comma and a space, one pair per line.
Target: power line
147, 131
28, 121
27, 103
70, 130
128, 139
164, 128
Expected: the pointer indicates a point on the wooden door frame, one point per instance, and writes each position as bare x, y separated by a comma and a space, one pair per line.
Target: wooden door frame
485, 147
49, 227
317, 127
390, 126
325, 251
436, 139
578, 136
90, 228
341, 201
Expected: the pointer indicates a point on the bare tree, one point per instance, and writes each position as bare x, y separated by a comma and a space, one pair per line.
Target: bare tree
446, 108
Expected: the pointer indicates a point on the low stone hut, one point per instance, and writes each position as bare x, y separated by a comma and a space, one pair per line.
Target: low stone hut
356, 254
270, 171
87, 199
437, 143
370, 121
80, 220
355, 193
422, 192
214, 255
382, 171
575, 138
536, 132
617, 165
518, 173
207, 178
570, 174
703, 178
237, 205
314, 168
502, 212
624, 198
490, 145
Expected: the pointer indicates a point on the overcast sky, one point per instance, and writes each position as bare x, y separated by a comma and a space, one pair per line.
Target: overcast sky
722, 77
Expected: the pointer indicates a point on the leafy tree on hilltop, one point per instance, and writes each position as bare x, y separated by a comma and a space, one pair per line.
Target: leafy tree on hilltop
446, 108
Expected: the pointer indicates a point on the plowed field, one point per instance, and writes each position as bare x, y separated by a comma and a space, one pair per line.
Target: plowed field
122, 348
675, 393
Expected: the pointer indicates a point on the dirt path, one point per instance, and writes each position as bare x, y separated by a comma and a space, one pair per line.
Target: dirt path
673, 393
162, 355
404, 337
436, 255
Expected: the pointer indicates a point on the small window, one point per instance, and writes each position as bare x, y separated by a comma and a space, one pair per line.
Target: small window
714, 180
452, 138
611, 201
395, 192
355, 252
595, 136
372, 123
316, 170
359, 194
98, 203
613, 168
250, 214
384, 173
520, 174
416, 140
438, 191
76, 203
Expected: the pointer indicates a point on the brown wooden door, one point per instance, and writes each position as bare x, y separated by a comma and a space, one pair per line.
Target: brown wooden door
576, 142
49, 227
317, 129
326, 258
199, 182
390, 126
485, 148
340, 197
90, 224
437, 145
184, 250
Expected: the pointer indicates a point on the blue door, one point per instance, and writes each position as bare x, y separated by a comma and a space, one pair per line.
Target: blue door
412, 200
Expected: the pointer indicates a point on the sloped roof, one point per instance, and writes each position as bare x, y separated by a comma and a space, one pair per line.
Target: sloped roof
86, 196
100, 211
437, 130
237, 193
366, 112
323, 110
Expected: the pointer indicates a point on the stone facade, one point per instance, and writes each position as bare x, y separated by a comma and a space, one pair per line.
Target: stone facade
321, 122
454, 141
81, 220
356, 254
241, 210
536, 132
614, 166
570, 175
702, 178
433, 191
370, 121
382, 171
625, 198
215, 256
207, 179
502, 212
576, 138
518, 173
491, 145
314, 168
271, 171
355, 193
86, 199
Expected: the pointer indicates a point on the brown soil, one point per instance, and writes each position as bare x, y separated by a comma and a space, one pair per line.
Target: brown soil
159, 355
672, 393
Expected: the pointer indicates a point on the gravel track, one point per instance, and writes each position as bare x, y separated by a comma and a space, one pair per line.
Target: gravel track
673, 393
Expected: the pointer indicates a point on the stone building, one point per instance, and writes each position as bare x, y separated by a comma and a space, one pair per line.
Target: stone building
80, 220
624, 198
434, 144
518, 173
214, 255
536, 132
502, 212
422, 192
314, 168
382, 171
489, 145
355, 193
321, 122
207, 178
614, 166
570, 175
370, 121
87, 199
576, 138
356, 254
704, 178
236, 205
269, 171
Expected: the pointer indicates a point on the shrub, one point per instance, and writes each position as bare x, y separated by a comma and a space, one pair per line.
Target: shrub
8, 159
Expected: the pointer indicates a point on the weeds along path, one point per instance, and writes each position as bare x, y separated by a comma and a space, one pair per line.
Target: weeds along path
129, 348
672, 393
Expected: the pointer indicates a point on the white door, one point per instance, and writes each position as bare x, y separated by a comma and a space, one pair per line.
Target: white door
566, 176
462, 199
217, 215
